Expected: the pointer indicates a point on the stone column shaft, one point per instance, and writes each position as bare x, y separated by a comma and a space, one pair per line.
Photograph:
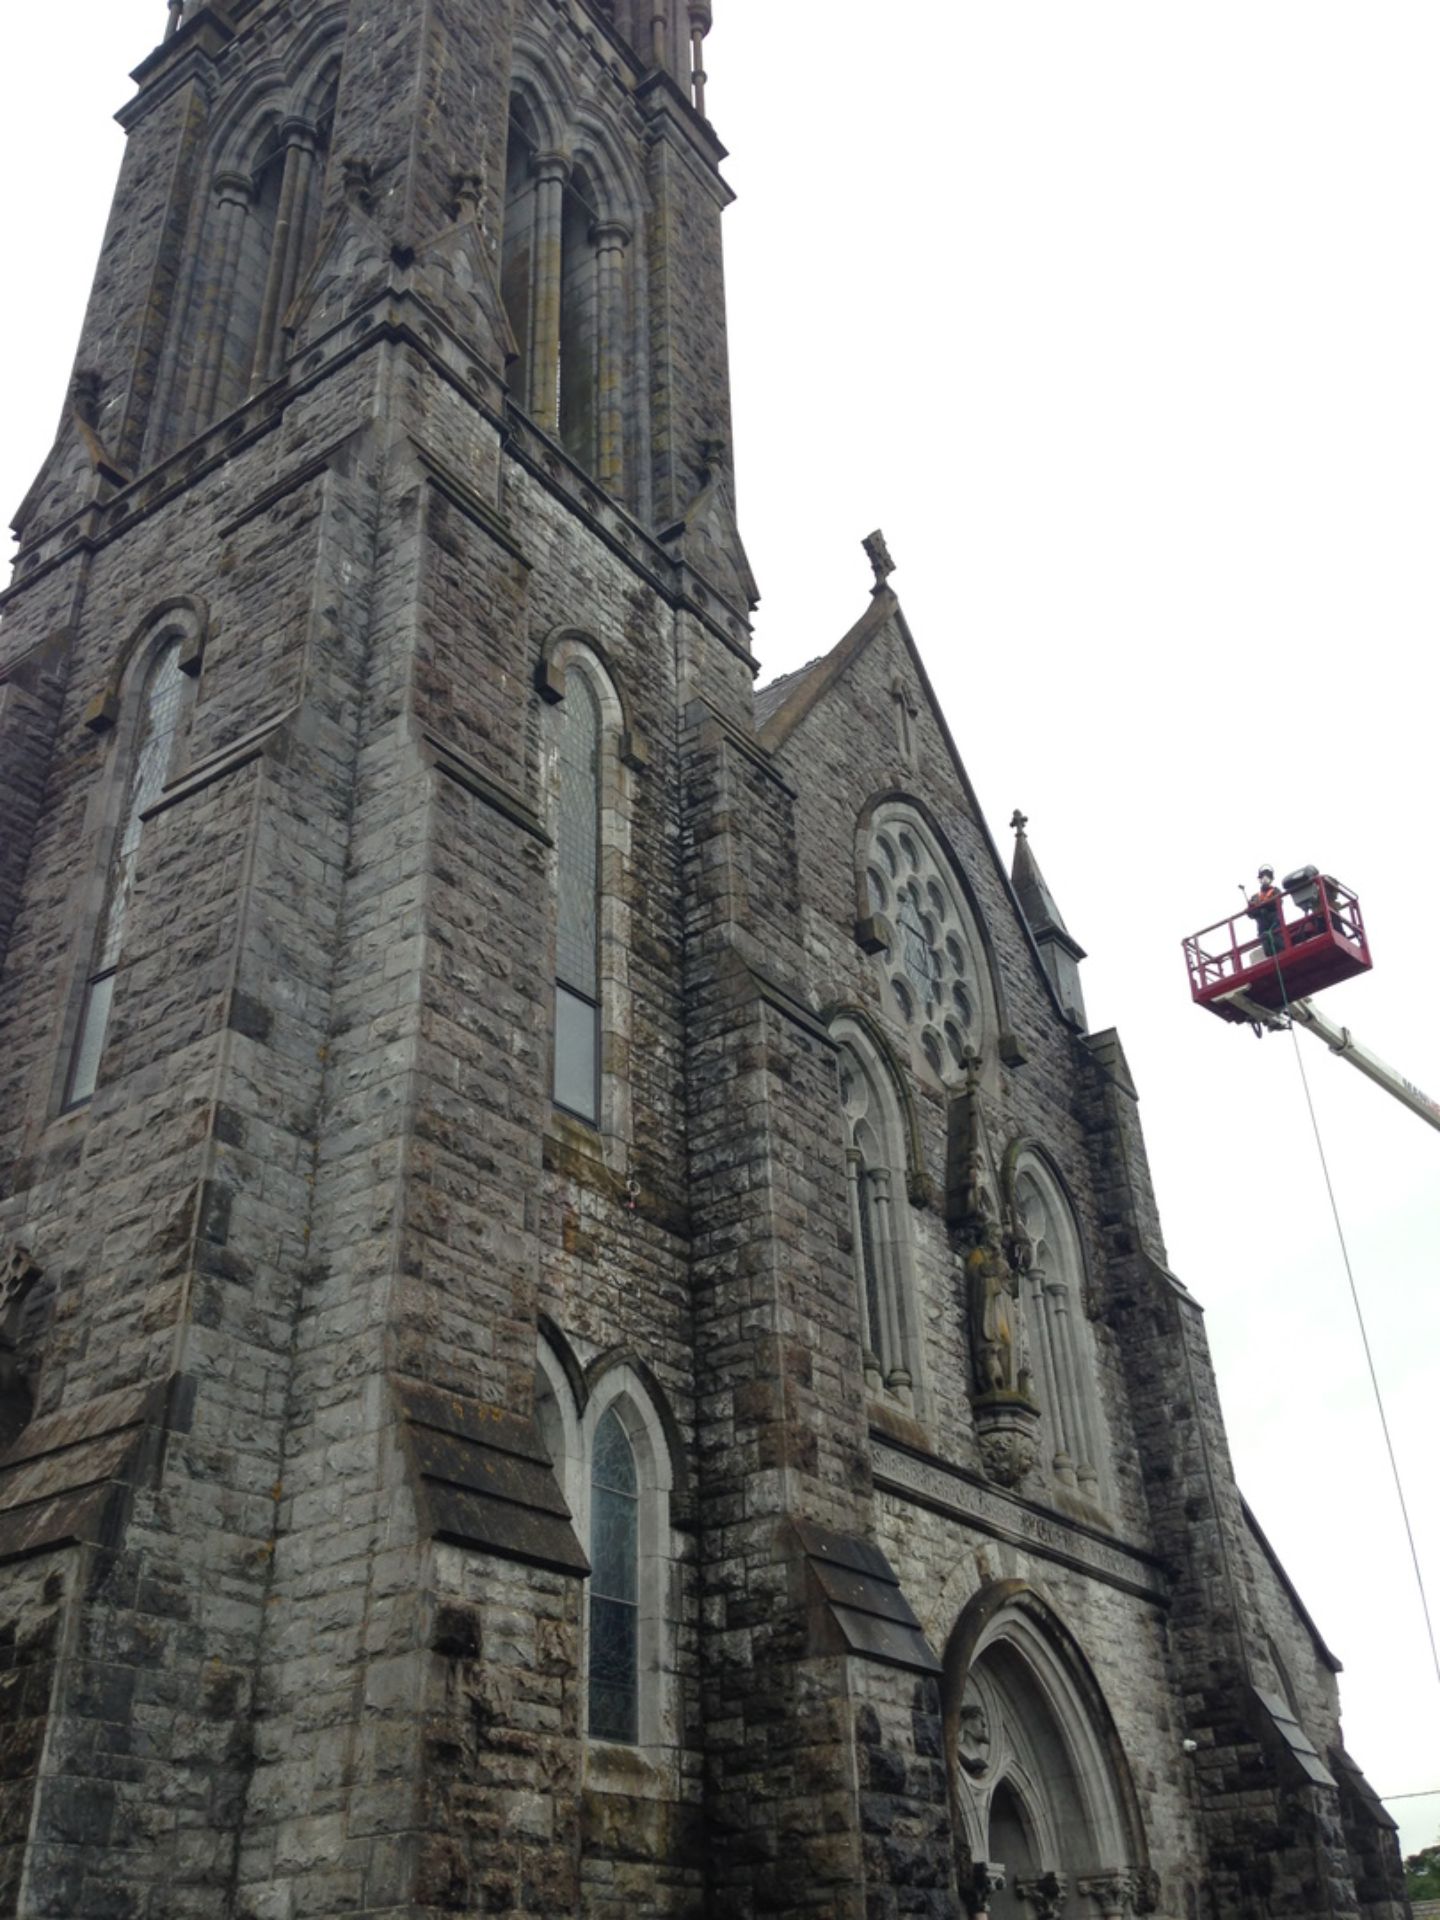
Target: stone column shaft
284, 253
552, 170
854, 1161
886, 1260
233, 194
699, 27
1059, 1295
1064, 1462
611, 239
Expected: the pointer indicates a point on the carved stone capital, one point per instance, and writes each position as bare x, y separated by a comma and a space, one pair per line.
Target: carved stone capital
295, 132
1113, 1893
987, 1878
234, 189
1044, 1894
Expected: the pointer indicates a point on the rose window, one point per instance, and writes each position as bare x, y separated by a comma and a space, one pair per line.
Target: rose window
930, 975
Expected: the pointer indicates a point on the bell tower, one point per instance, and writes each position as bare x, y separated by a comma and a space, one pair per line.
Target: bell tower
388, 536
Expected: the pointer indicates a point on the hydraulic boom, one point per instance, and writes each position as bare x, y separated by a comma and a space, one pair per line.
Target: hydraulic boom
1340, 1040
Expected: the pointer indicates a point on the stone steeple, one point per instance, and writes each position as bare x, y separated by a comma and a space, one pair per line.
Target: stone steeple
1059, 949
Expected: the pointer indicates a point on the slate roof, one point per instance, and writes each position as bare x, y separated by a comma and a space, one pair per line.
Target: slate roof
771, 697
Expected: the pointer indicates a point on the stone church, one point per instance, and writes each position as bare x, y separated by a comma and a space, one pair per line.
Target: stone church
585, 1329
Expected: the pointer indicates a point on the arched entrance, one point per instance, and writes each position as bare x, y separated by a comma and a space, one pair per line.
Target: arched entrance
1043, 1800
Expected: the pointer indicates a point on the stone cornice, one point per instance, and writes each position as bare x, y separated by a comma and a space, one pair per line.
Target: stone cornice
966, 1498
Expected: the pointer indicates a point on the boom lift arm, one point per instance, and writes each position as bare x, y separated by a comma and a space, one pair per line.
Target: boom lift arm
1340, 1040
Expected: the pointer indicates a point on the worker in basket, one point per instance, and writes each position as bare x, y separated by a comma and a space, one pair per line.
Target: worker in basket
1264, 909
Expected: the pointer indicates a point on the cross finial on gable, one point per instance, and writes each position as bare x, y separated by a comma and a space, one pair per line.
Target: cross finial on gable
1019, 821
879, 556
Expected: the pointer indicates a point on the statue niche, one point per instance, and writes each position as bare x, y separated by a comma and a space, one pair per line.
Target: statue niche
996, 1253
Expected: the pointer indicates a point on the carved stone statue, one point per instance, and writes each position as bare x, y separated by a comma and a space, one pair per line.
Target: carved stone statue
1002, 1353
972, 1740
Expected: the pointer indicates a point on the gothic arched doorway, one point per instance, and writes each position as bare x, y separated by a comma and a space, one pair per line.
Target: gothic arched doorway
1043, 1801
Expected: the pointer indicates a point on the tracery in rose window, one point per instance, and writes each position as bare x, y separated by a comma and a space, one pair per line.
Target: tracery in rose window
932, 973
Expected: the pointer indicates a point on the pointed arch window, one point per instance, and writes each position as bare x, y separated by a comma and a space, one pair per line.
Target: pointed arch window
517, 252
259, 238
577, 371
591, 761
577, 936
877, 1189
614, 1584
565, 282
1055, 1302
161, 711
616, 1469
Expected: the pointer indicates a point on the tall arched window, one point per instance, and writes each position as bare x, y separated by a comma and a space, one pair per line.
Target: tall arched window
577, 933
517, 256
590, 763
260, 232
614, 1584
156, 727
565, 281
578, 372
616, 1467
1064, 1350
877, 1185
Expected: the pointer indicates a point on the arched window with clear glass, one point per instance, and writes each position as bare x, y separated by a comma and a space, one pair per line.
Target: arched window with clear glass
1056, 1311
262, 228
161, 709
577, 932
567, 282
614, 1584
875, 1174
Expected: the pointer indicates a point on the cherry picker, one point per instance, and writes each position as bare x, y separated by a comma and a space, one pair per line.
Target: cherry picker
1263, 970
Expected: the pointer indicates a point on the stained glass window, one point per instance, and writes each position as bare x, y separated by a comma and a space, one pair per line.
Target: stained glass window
161, 705
614, 1584
577, 934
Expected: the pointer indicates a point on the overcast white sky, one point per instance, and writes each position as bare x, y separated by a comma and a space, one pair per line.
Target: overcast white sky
1122, 321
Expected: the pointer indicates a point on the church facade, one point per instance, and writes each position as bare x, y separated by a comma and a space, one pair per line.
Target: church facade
585, 1330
